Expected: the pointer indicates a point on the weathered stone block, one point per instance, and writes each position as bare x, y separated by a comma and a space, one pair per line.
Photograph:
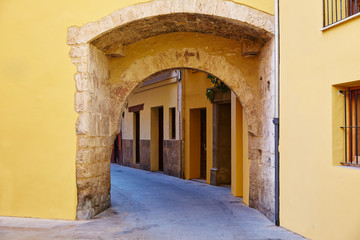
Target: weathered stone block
83, 82
84, 171
86, 142
85, 156
83, 101
105, 126
72, 35
83, 123
106, 23
79, 51
251, 48
88, 32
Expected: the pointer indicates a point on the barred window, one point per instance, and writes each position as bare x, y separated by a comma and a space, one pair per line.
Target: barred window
351, 126
337, 10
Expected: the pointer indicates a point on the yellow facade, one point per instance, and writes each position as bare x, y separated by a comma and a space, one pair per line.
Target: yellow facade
37, 127
161, 94
240, 166
37, 133
318, 198
195, 84
193, 87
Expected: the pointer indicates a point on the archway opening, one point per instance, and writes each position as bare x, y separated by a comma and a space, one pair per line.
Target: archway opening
189, 124
114, 55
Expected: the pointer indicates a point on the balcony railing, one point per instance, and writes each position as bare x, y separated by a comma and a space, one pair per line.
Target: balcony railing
337, 10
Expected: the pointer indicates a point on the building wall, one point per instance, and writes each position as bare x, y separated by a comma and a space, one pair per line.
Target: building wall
37, 133
240, 164
318, 198
195, 84
163, 94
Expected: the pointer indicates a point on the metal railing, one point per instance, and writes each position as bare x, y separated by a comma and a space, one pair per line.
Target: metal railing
337, 10
352, 141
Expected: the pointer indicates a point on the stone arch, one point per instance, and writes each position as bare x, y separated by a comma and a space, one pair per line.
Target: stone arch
97, 98
191, 15
173, 59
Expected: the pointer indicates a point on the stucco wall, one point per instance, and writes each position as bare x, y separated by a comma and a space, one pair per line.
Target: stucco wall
318, 198
38, 138
165, 96
195, 84
37, 127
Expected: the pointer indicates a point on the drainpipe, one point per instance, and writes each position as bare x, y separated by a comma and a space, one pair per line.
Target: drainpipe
276, 112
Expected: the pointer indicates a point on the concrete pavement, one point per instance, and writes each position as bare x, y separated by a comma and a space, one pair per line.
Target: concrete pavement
148, 205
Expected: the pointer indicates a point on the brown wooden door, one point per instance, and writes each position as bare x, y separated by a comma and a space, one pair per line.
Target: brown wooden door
203, 143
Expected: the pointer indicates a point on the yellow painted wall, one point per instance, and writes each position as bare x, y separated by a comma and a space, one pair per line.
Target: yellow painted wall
239, 151
263, 5
240, 163
165, 96
161, 94
194, 89
195, 84
37, 124
246, 161
318, 198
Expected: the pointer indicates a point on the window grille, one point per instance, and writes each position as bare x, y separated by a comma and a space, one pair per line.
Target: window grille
337, 10
351, 127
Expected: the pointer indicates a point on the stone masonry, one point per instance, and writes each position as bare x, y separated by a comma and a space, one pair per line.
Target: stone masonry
92, 102
100, 104
261, 147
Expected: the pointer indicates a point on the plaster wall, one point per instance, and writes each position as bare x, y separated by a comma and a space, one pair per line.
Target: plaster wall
37, 106
165, 96
239, 151
194, 88
318, 197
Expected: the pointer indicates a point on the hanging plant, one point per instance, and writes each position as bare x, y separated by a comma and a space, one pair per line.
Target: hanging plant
218, 85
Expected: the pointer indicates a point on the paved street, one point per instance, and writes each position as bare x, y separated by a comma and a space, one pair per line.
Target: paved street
147, 205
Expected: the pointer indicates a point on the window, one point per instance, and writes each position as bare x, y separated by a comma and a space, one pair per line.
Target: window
172, 123
337, 10
351, 126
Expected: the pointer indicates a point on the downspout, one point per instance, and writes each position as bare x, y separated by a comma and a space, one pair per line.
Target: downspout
276, 112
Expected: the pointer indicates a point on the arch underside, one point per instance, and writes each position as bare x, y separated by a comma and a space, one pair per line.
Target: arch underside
180, 22
100, 49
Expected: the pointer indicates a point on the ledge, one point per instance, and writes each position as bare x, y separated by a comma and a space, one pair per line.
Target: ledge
350, 165
340, 22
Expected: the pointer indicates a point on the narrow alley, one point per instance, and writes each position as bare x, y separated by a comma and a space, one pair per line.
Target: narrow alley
151, 205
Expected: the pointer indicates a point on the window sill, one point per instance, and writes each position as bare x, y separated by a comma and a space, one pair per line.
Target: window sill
340, 22
350, 165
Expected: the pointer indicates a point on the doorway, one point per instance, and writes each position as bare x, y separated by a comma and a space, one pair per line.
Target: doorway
137, 137
157, 139
203, 143
221, 171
